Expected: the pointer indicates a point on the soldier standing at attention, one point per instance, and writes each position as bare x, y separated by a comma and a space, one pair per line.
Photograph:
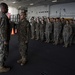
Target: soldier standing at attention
33, 23
67, 31
71, 37
37, 28
48, 30
62, 26
42, 26
4, 37
52, 34
23, 37
44, 21
57, 31
74, 31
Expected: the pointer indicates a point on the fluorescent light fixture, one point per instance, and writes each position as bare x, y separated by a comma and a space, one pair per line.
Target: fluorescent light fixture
54, 1
14, 2
31, 4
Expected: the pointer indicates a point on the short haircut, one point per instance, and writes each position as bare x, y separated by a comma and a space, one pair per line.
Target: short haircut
4, 5
24, 13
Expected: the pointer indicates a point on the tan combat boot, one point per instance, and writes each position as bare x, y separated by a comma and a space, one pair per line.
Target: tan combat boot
66, 45
32, 38
47, 41
3, 69
19, 61
23, 61
55, 43
26, 42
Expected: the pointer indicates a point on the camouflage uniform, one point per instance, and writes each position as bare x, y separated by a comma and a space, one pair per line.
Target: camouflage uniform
61, 36
67, 31
4, 37
42, 30
73, 33
57, 30
33, 23
44, 27
52, 34
23, 37
37, 30
48, 31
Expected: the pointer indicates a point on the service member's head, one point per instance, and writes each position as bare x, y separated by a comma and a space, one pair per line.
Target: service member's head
57, 19
32, 19
48, 19
4, 7
62, 19
43, 18
51, 19
54, 20
37, 20
22, 15
67, 21
71, 21
42, 21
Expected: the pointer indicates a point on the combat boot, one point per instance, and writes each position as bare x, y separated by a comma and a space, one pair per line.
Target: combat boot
3, 69
48, 41
37, 38
66, 45
32, 37
19, 61
55, 43
26, 42
23, 61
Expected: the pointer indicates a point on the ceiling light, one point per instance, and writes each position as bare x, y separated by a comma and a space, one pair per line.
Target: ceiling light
14, 2
31, 4
54, 1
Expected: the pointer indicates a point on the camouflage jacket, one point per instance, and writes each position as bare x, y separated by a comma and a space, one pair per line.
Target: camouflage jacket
23, 30
4, 28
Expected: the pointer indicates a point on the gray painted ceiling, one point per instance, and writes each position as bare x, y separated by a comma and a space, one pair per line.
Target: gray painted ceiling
26, 3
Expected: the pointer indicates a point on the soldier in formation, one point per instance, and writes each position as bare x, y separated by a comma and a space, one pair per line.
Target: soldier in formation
53, 30
57, 31
33, 23
42, 30
23, 37
37, 28
67, 32
48, 30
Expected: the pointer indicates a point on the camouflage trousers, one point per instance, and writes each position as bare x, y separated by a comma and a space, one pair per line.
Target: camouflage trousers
72, 38
42, 35
61, 40
56, 36
33, 33
3, 53
66, 38
23, 47
48, 35
52, 37
37, 34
